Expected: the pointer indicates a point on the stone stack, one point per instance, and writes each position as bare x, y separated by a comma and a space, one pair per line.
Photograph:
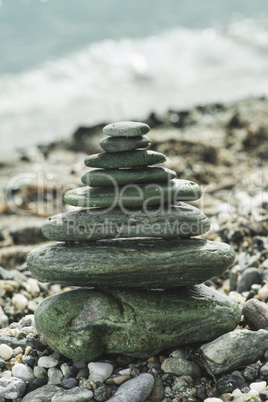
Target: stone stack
131, 242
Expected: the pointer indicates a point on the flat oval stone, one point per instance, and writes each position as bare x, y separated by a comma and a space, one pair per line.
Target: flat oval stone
181, 220
120, 144
134, 195
126, 159
82, 324
126, 129
139, 263
112, 177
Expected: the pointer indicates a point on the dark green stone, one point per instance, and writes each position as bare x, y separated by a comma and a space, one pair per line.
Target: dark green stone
137, 263
181, 220
126, 129
111, 177
126, 159
120, 144
82, 324
134, 195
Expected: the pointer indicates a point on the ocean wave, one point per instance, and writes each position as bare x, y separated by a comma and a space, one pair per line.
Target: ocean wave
129, 78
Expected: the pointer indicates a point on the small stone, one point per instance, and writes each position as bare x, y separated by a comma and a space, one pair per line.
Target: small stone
82, 373
258, 386
213, 400
234, 349
264, 370
126, 129
230, 382
19, 302
251, 372
119, 177
136, 390
54, 376
72, 395
121, 144
29, 360
37, 383
3, 319
100, 394
47, 362
12, 388
42, 394
6, 352
178, 366
249, 277
69, 383
23, 372
117, 380
40, 371
71, 372
99, 371
119, 160
256, 314
158, 392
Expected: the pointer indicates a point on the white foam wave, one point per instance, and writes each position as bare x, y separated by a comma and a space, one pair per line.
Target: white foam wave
128, 78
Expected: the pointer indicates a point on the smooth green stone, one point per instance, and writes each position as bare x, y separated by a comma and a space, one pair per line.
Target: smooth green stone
120, 144
126, 159
82, 324
134, 195
112, 177
181, 220
136, 263
126, 129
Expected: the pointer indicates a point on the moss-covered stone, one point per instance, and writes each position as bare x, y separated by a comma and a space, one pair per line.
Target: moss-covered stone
181, 220
134, 195
119, 177
126, 159
82, 324
140, 263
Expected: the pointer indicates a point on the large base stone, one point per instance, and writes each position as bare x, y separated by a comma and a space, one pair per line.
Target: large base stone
136, 263
82, 324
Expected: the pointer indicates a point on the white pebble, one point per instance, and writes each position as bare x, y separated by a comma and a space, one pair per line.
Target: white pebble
47, 362
64, 368
263, 292
236, 392
32, 286
6, 374
19, 301
99, 371
213, 400
3, 319
125, 371
23, 372
6, 352
258, 386
17, 351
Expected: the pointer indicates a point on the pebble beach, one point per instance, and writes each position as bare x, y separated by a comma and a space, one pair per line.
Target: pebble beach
222, 147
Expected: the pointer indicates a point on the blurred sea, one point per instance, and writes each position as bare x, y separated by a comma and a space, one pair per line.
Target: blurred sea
65, 63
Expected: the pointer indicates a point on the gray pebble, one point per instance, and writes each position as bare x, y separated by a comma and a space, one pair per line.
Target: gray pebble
69, 383
178, 366
264, 369
42, 394
121, 144
234, 349
55, 376
72, 395
100, 394
251, 372
126, 129
249, 277
37, 383
83, 373
256, 314
136, 390
12, 388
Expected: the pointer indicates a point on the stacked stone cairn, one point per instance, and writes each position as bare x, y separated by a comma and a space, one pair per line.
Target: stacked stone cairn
130, 251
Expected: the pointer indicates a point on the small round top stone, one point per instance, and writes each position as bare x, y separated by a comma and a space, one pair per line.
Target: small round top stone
126, 129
